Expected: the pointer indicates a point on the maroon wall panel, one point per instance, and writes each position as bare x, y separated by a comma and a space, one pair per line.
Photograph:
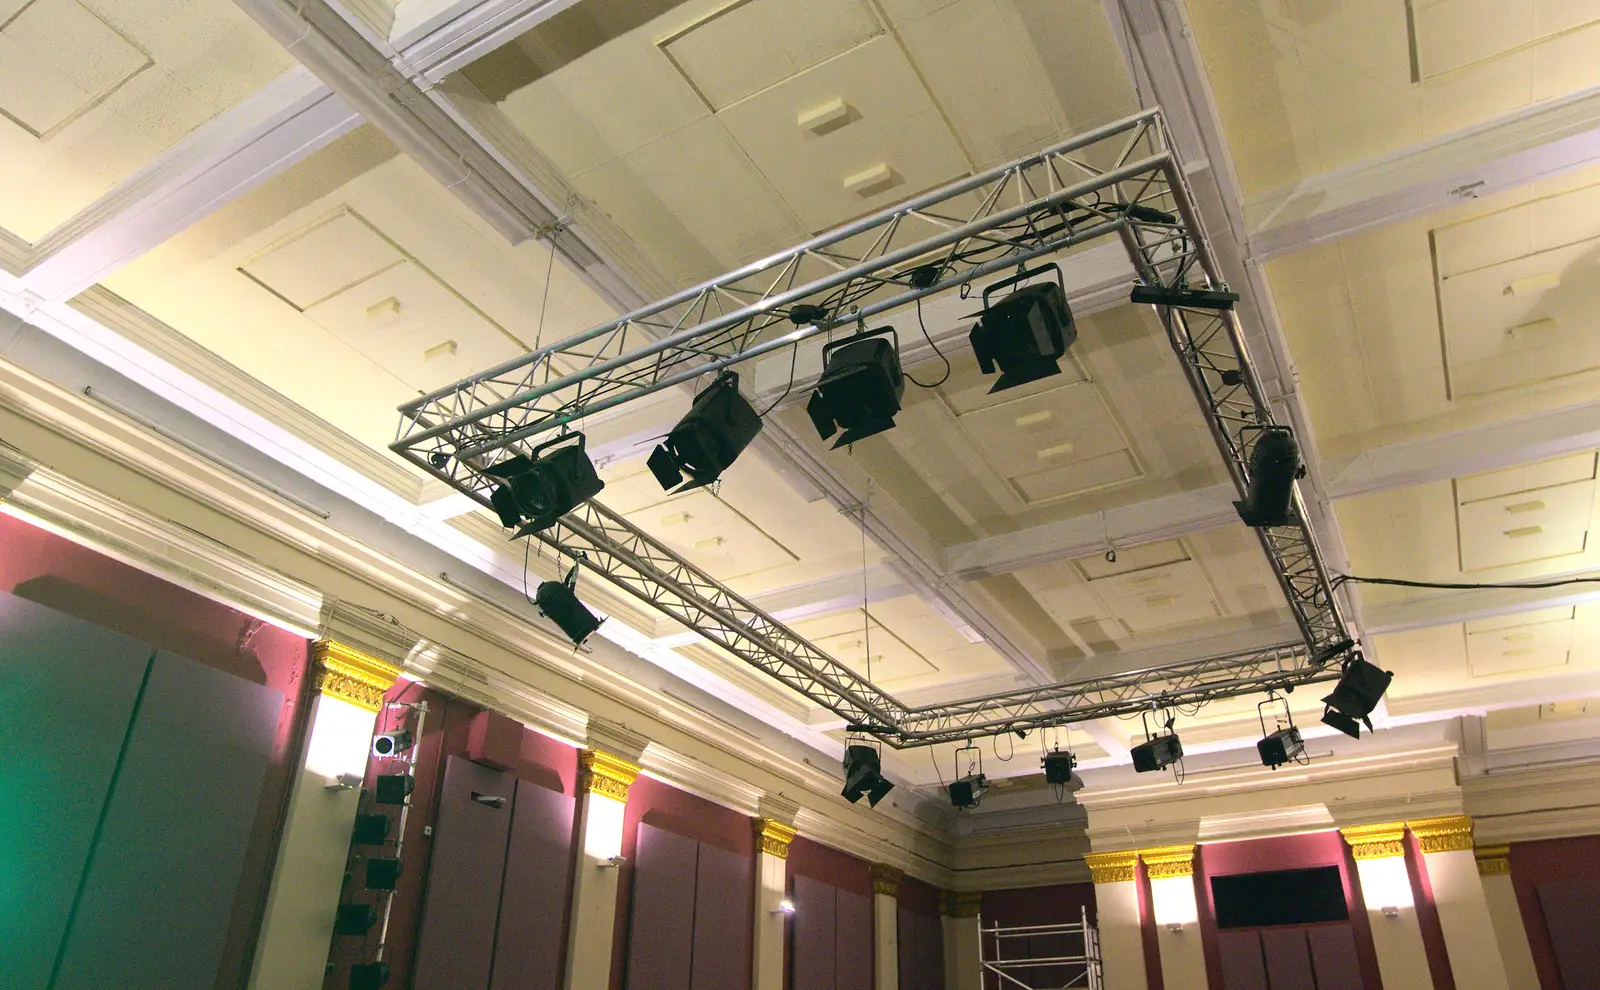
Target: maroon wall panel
853, 941
842, 870
1333, 957
455, 947
812, 935
930, 949
662, 934
908, 964
1242, 965
530, 944
1059, 904
1536, 863
922, 898
1571, 911
1288, 959
723, 900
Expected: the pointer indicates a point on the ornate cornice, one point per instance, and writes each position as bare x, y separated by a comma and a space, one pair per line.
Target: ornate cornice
886, 879
1437, 835
352, 676
1113, 867
961, 904
1493, 861
1161, 862
609, 776
773, 837
1376, 841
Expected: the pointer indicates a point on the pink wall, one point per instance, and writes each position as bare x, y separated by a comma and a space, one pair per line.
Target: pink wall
1533, 863
1060, 903
919, 898
842, 870
59, 574
1289, 852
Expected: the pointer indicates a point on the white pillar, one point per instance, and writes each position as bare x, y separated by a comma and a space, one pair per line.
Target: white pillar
886, 926
772, 890
603, 782
1469, 935
308, 876
1177, 916
1116, 899
963, 960
1380, 854
1494, 869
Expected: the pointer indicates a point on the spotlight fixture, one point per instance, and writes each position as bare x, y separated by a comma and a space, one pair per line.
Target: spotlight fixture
387, 744
1157, 753
558, 602
1061, 770
966, 792
1358, 692
537, 490
369, 976
1344, 723
393, 788
863, 775
1274, 464
1026, 333
860, 388
1284, 743
1157, 295
719, 425
354, 919
383, 872
371, 829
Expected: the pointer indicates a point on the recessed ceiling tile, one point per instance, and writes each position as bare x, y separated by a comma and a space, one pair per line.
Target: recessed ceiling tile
1157, 597
329, 255
1528, 641
59, 60
894, 124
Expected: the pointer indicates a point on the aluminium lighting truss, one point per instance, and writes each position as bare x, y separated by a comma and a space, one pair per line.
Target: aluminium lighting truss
1121, 180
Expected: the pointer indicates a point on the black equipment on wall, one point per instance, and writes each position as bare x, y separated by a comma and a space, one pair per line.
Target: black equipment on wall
1274, 465
387, 744
383, 872
354, 919
371, 829
369, 976
717, 428
540, 489
393, 788
558, 602
860, 388
1026, 333
1281, 897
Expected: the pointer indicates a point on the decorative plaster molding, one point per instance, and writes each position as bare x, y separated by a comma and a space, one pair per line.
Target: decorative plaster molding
1437, 835
609, 776
1376, 841
1261, 825
15, 467
1114, 867
886, 879
352, 676
612, 737
1168, 861
778, 807
773, 837
961, 903
687, 774
1493, 861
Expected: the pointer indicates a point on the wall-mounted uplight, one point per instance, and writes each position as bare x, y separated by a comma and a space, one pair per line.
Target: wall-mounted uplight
612, 862
1385, 883
1174, 902
785, 907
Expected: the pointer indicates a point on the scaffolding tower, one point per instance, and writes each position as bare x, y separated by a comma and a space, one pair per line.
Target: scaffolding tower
1041, 957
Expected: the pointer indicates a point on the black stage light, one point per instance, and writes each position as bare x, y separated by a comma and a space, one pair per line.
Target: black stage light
539, 489
1359, 690
393, 788
391, 743
1280, 747
967, 791
1274, 464
1157, 753
354, 919
369, 976
371, 829
862, 775
558, 602
383, 872
1026, 333
1343, 723
719, 425
860, 388
1158, 295
1060, 769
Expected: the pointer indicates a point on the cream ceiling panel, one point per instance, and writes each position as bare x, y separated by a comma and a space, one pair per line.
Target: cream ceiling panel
1450, 34
58, 60
1527, 526
330, 255
712, 535
1531, 645
912, 647
774, 40
1053, 443
1526, 477
1168, 595
893, 123
1127, 559
892, 660
1088, 474
968, 389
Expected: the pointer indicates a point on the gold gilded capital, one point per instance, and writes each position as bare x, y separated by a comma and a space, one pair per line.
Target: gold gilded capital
961, 904
1493, 861
1161, 862
886, 879
1437, 835
609, 776
773, 837
1113, 867
350, 675
1376, 841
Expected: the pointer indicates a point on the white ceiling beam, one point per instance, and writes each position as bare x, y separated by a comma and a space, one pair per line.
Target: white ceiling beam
1535, 142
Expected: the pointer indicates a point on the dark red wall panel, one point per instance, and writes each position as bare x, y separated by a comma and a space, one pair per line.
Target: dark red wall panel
1241, 963
842, 870
853, 941
1571, 912
455, 948
661, 936
813, 930
919, 897
1333, 957
530, 943
1288, 958
930, 948
1549, 861
723, 903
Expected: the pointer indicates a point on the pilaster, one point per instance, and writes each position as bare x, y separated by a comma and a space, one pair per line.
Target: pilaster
1116, 896
1494, 871
773, 836
1177, 915
886, 926
603, 782
1470, 937
1380, 852
963, 960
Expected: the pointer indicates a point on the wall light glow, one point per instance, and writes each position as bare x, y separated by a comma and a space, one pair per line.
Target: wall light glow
1385, 882
1173, 901
340, 734
602, 830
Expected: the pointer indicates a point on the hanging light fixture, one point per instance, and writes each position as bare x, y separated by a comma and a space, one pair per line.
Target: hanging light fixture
717, 428
1026, 333
558, 602
537, 489
860, 388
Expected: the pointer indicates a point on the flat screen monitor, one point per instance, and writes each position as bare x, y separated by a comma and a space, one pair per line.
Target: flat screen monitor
1282, 897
